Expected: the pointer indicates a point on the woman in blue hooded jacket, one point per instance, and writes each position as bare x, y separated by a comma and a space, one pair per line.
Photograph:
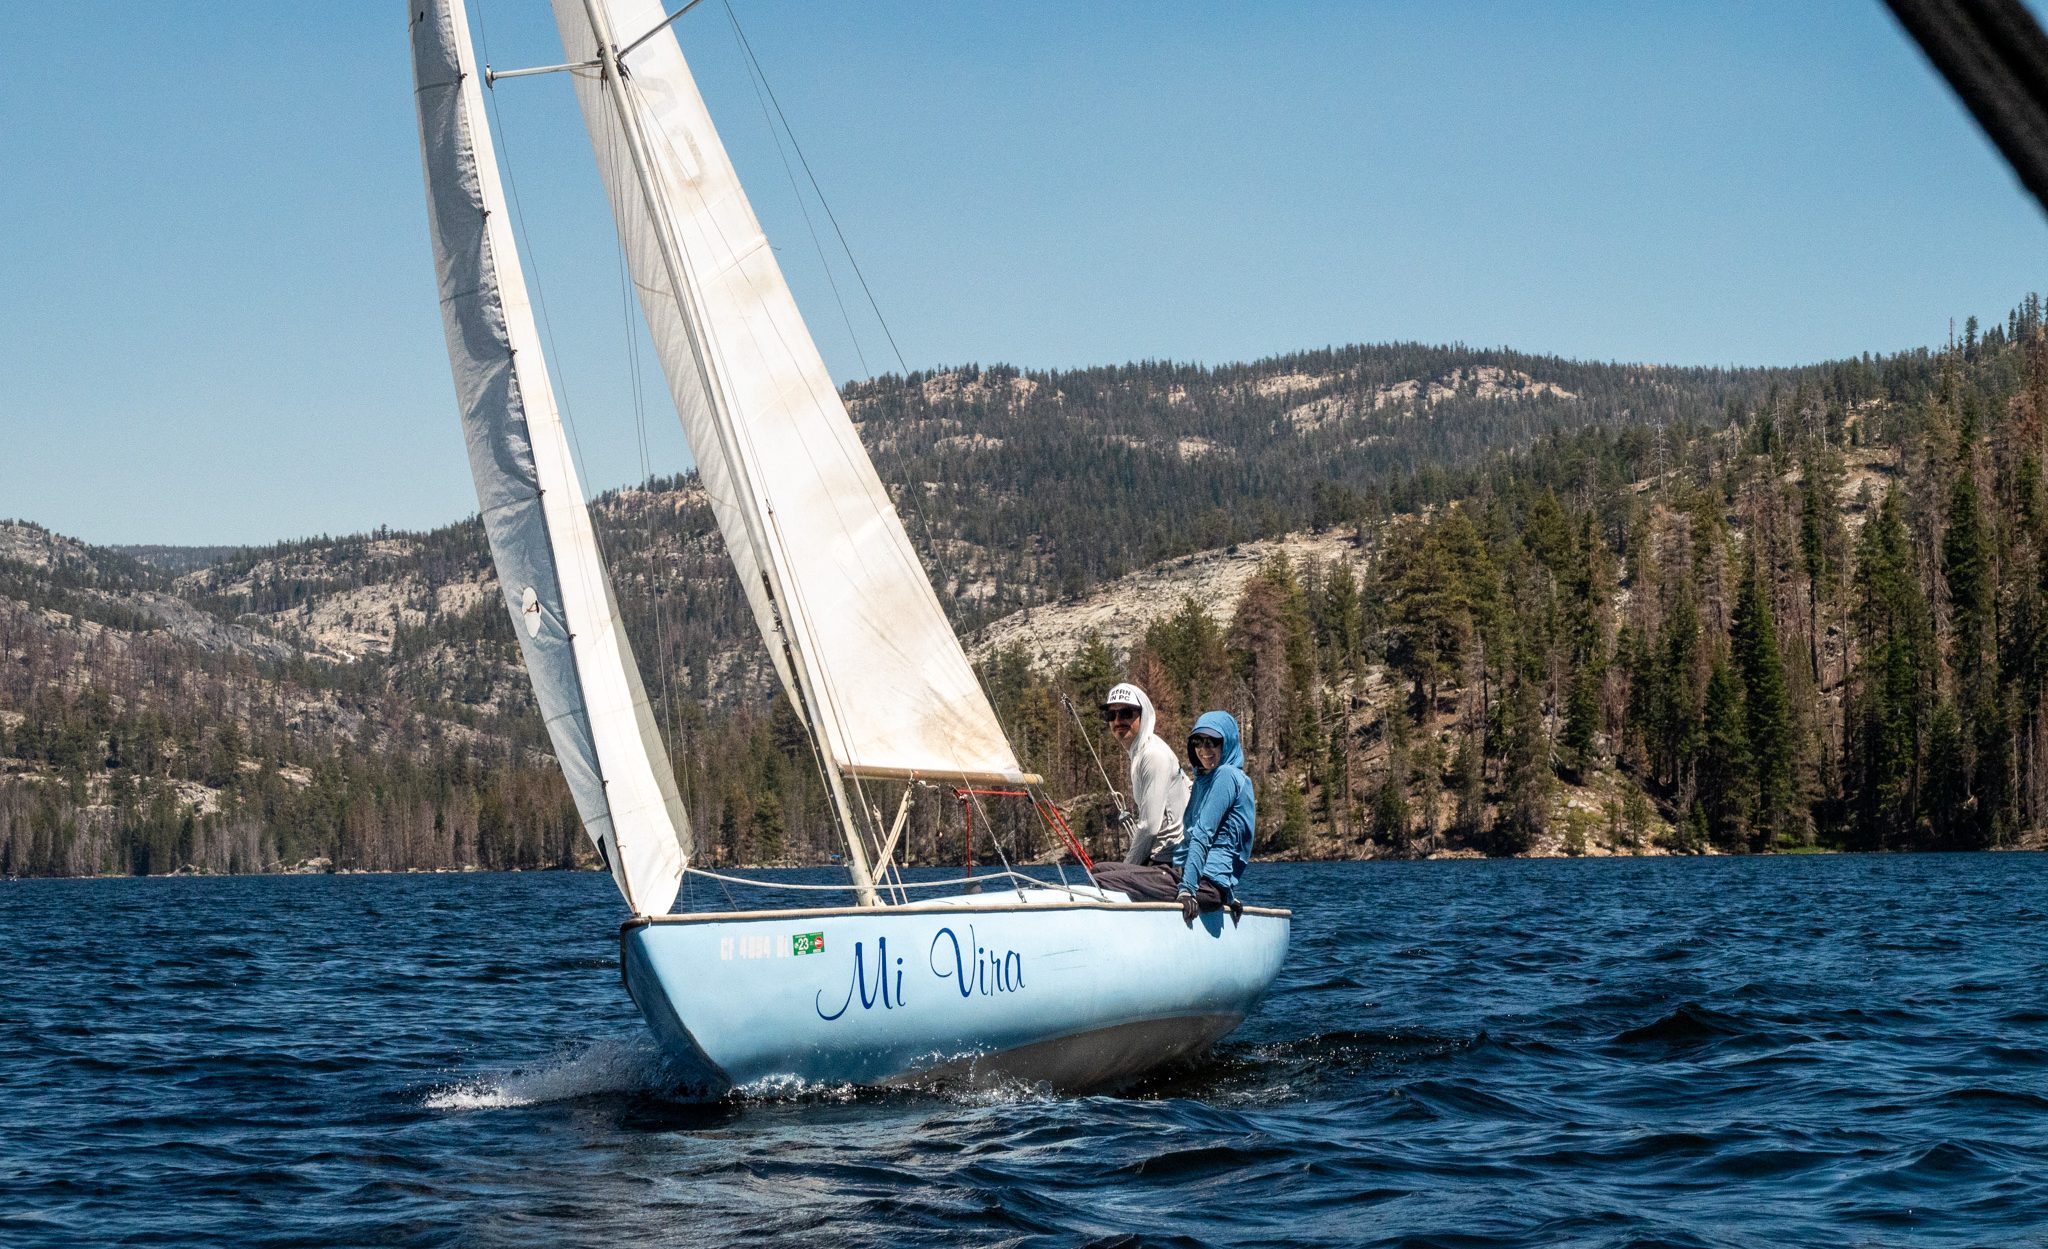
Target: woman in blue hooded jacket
1221, 817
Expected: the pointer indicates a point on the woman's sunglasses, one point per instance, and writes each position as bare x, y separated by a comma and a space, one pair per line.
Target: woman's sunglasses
1116, 715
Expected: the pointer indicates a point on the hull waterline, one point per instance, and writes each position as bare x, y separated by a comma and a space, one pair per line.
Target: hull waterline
988, 989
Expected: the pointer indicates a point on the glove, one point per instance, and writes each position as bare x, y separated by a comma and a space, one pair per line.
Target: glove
1189, 908
1236, 910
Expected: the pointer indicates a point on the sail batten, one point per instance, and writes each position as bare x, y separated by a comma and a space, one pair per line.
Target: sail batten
820, 551
542, 542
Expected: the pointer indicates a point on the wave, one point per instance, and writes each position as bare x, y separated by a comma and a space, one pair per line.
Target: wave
1691, 1024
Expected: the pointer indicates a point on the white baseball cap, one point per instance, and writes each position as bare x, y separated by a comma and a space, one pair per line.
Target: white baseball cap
1125, 695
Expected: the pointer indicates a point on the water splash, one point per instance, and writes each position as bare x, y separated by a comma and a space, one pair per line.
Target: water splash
789, 1088
623, 1065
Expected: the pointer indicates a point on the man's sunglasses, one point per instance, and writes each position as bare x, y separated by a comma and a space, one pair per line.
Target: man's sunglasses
1115, 715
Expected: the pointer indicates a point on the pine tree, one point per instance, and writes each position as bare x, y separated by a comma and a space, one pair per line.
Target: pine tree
1726, 794
1968, 568
1294, 823
1676, 706
1390, 816
1944, 795
1820, 538
1092, 670
1546, 532
1888, 704
1190, 647
1339, 620
1258, 639
1771, 742
1337, 770
1468, 779
1582, 714
1528, 771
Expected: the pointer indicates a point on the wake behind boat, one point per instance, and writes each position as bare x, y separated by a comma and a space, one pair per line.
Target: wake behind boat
1070, 985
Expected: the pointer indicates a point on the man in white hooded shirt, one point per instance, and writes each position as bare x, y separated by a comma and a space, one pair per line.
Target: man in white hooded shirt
1159, 786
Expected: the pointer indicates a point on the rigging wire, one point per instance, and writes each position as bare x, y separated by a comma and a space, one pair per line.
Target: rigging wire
803, 205
656, 209
629, 323
759, 76
913, 496
535, 286
1088, 739
748, 47
1022, 879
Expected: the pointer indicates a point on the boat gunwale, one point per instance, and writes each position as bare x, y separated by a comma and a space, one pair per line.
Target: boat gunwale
869, 912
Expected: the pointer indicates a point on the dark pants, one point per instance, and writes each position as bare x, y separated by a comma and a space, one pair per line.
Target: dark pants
1148, 882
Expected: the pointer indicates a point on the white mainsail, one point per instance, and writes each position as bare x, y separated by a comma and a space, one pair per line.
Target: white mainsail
857, 634
542, 543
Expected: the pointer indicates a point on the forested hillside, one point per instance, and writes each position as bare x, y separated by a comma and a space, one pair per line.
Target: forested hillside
1032, 486
1526, 604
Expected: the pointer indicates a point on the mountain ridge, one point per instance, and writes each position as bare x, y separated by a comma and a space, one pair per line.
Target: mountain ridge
387, 652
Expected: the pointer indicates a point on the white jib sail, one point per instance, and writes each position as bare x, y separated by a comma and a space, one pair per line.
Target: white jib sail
812, 532
541, 538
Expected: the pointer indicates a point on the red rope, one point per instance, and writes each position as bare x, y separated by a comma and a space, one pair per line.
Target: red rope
1059, 821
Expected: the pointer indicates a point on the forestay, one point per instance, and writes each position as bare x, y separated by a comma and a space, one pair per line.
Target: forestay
815, 538
555, 584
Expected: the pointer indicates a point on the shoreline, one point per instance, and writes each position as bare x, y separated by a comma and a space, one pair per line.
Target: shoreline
1439, 857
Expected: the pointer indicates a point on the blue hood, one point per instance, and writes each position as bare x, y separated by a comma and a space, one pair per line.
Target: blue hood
1224, 725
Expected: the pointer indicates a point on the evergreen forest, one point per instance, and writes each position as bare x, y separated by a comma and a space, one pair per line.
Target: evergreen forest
1507, 604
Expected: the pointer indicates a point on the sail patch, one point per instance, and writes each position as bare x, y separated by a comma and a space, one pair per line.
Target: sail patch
529, 611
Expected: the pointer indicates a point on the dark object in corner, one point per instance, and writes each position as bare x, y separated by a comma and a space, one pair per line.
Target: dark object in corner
1995, 55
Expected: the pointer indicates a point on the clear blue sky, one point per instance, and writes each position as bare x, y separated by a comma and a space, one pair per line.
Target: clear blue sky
218, 318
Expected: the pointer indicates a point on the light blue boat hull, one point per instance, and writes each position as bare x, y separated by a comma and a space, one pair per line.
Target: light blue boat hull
977, 990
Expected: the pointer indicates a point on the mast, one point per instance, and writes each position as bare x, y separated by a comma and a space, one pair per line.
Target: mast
764, 543
853, 625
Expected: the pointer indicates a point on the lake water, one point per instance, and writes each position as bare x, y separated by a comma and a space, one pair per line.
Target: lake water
1814, 1051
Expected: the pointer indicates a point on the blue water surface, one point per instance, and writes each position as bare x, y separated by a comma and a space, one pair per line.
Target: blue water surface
1811, 1051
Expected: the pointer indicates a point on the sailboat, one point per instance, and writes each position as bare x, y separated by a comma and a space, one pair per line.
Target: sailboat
1066, 985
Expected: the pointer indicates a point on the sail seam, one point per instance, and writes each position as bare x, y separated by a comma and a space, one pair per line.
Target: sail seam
793, 595
859, 465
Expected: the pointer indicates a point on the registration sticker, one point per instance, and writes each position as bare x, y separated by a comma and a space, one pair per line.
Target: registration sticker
807, 943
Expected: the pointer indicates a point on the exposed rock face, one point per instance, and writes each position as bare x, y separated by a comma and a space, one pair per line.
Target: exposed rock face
1484, 383
963, 388
212, 635
1120, 611
34, 546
